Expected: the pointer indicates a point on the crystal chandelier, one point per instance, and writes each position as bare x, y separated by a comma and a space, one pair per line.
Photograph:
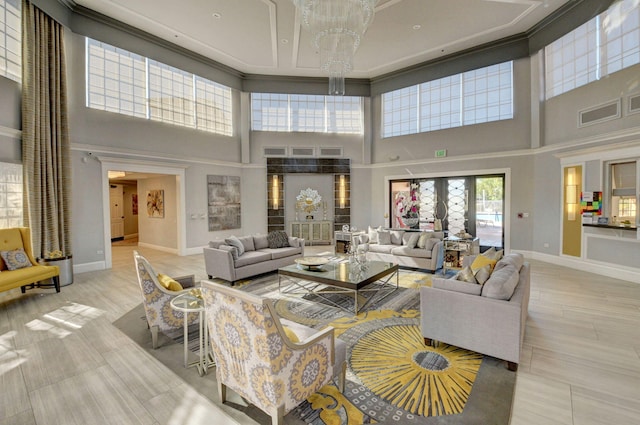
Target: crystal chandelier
337, 27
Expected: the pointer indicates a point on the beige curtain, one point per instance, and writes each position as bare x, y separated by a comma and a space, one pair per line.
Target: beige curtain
45, 137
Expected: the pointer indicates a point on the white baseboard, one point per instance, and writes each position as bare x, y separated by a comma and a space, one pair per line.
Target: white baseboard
159, 248
131, 236
89, 267
195, 250
597, 267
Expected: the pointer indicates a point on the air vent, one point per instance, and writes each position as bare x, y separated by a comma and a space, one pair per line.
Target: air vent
598, 114
275, 152
306, 152
331, 152
634, 104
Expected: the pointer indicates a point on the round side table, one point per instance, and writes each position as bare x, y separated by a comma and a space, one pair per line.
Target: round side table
188, 303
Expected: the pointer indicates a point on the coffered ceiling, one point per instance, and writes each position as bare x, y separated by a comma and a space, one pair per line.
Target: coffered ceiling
265, 36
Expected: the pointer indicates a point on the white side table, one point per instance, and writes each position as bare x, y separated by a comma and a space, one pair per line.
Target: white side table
188, 303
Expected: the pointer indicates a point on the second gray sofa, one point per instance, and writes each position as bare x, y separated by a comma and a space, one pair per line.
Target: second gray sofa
224, 260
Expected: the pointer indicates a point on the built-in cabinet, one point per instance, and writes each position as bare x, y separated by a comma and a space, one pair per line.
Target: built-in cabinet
318, 232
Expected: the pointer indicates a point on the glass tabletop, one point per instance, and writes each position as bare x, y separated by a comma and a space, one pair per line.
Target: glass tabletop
187, 302
342, 272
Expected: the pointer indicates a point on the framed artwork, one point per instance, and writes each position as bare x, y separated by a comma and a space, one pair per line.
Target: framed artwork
134, 204
223, 199
155, 203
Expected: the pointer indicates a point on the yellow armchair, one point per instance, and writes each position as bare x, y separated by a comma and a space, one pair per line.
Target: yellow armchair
16, 238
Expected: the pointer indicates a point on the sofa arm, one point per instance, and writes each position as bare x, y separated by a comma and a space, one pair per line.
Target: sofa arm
477, 323
219, 263
437, 255
298, 242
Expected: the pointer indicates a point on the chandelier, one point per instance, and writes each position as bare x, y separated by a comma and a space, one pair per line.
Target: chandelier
337, 27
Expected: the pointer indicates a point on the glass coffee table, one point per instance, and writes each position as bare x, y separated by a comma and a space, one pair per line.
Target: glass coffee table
341, 277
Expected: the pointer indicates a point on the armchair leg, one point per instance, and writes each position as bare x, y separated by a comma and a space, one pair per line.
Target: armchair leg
56, 283
512, 366
278, 417
23, 289
342, 377
154, 336
222, 391
428, 342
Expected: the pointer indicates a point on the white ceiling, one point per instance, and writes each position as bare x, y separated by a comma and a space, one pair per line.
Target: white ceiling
265, 37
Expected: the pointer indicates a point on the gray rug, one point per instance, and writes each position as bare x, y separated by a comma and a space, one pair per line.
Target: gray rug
379, 387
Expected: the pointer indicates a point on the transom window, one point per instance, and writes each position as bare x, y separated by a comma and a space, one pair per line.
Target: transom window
10, 195
10, 40
127, 83
306, 113
473, 97
605, 44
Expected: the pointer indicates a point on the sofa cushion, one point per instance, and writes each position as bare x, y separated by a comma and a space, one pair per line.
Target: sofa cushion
278, 239
16, 259
381, 249
515, 259
294, 242
232, 249
252, 257
275, 253
410, 239
457, 286
260, 241
410, 252
493, 254
234, 241
502, 283
396, 236
216, 243
422, 239
247, 242
384, 237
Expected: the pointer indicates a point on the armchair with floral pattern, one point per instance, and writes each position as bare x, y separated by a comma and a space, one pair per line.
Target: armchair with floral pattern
260, 360
156, 300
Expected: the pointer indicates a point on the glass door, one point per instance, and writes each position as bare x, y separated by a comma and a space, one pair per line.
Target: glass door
489, 206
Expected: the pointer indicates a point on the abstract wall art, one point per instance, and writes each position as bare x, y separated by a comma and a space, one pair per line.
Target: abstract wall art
155, 203
223, 202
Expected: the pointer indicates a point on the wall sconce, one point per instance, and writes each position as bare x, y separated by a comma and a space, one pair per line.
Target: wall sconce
571, 194
275, 191
342, 192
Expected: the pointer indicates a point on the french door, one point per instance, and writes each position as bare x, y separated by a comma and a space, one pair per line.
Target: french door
469, 204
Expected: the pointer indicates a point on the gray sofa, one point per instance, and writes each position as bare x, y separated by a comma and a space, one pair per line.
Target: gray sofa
402, 248
223, 260
480, 317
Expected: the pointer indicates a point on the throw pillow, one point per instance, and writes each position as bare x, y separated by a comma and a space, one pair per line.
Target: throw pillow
260, 241
169, 283
501, 284
413, 240
422, 240
515, 259
247, 243
278, 239
480, 261
373, 234
290, 334
232, 249
16, 259
234, 241
466, 275
431, 242
396, 237
483, 274
384, 237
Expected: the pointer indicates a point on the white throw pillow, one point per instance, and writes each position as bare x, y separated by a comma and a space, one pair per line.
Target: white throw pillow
384, 237
373, 235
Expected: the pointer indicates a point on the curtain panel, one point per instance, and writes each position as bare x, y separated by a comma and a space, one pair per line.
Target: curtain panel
45, 134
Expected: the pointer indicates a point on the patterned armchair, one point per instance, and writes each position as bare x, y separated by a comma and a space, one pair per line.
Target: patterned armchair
255, 357
156, 300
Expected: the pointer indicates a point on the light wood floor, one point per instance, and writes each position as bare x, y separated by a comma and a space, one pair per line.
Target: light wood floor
63, 362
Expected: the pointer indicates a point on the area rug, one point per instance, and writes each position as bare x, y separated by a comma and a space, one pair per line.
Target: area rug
392, 376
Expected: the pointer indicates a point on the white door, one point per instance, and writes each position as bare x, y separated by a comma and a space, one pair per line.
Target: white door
116, 199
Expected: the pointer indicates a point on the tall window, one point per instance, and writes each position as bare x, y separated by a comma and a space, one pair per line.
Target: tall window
127, 83
10, 40
10, 195
473, 97
306, 113
606, 44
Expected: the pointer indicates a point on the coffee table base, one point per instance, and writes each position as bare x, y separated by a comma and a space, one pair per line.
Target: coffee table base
380, 289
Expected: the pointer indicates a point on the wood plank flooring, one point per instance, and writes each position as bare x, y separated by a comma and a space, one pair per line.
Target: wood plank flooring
63, 362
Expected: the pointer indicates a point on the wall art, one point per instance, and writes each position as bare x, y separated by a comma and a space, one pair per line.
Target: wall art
155, 203
223, 202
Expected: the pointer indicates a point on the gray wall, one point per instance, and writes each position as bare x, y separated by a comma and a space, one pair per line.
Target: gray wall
159, 231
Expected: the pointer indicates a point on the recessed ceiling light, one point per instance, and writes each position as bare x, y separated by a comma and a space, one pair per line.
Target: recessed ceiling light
417, 27
216, 15
284, 41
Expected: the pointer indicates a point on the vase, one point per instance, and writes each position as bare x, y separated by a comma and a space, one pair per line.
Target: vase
410, 221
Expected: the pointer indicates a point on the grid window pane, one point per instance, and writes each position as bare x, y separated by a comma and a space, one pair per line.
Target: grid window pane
116, 80
605, 44
492, 96
440, 104
400, 112
213, 107
306, 113
170, 94
10, 39
10, 195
